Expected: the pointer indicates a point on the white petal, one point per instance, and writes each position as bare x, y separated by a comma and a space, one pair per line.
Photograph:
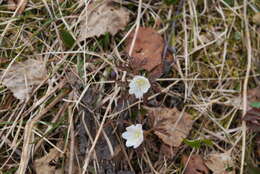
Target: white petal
129, 144
137, 88
146, 87
139, 126
137, 144
132, 91
138, 94
125, 135
132, 84
130, 128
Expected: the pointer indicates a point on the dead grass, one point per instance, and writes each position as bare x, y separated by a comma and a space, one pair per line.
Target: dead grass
85, 103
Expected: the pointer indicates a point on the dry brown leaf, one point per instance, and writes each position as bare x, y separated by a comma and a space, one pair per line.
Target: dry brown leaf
22, 76
170, 125
256, 18
167, 151
220, 163
147, 50
253, 94
252, 118
3, 60
13, 4
46, 164
102, 17
194, 165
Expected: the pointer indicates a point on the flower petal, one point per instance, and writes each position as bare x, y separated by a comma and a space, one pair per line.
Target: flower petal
125, 135
139, 126
129, 143
138, 86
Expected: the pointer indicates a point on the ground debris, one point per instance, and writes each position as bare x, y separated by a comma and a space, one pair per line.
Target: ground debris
103, 154
22, 76
147, 50
14, 4
194, 165
220, 163
48, 164
170, 125
256, 18
252, 118
101, 17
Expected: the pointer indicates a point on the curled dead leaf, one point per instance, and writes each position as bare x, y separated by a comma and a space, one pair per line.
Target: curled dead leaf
170, 125
194, 165
253, 94
22, 76
256, 18
102, 17
14, 4
147, 50
220, 163
48, 163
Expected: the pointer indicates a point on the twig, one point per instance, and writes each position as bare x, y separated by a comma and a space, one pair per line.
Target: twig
249, 60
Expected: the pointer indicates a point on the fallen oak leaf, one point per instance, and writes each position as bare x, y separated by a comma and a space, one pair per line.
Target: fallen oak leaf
147, 50
220, 163
194, 165
22, 76
170, 125
102, 17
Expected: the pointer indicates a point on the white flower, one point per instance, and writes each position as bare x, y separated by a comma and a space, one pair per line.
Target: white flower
138, 86
133, 135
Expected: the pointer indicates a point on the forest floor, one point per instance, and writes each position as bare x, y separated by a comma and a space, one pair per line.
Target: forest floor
66, 66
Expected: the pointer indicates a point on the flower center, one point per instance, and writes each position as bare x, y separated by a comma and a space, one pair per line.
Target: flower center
137, 134
140, 83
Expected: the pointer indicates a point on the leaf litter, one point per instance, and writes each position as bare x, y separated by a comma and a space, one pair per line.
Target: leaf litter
21, 77
170, 125
194, 165
252, 118
147, 50
48, 163
14, 4
102, 17
220, 163
163, 123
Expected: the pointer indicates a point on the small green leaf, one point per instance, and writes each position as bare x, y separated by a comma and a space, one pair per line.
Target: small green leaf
67, 39
170, 2
197, 143
193, 143
207, 142
255, 104
229, 2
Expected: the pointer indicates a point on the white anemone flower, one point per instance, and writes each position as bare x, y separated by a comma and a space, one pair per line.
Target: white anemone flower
134, 135
138, 86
